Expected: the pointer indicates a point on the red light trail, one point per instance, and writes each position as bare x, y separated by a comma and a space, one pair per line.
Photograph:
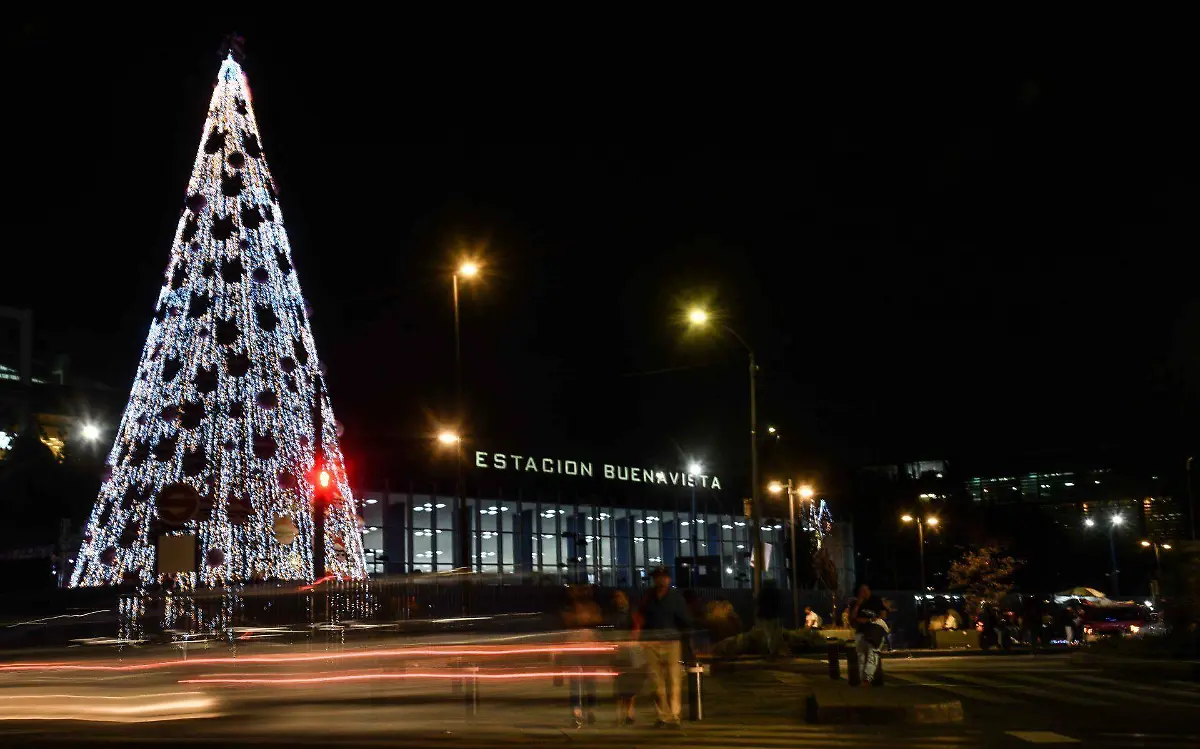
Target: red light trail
477, 651
396, 677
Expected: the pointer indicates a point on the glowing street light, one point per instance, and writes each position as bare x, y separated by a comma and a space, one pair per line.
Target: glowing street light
1114, 521
1146, 544
695, 468
774, 487
699, 317
771, 430
467, 269
1165, 546
90, 432
920, 523
806, 492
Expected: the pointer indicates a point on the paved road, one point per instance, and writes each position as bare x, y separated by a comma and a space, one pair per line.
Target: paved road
1047, 694
368, 697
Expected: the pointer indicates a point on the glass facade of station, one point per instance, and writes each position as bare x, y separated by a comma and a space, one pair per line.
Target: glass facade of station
560, 540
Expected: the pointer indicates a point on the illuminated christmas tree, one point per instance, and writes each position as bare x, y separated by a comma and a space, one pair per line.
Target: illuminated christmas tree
229, 395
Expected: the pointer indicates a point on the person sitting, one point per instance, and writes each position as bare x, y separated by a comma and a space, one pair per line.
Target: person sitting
812, 619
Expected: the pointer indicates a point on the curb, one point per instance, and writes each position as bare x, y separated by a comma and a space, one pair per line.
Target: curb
931, 713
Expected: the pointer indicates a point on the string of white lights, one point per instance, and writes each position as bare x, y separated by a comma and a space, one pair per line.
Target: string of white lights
224, 393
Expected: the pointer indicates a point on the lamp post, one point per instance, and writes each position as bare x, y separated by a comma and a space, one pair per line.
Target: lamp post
1157, 564
921, 523
700, 318
694, 469
466, 269
806, 493
1115, 575
1191, 506
452, 440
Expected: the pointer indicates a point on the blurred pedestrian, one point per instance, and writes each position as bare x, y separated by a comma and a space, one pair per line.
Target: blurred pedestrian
770, 605
870, 628
629, 662
581, 617
665, 621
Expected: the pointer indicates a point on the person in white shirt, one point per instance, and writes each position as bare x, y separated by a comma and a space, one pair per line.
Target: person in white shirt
811, 619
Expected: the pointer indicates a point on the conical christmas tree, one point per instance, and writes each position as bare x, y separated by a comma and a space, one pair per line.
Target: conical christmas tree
228, 395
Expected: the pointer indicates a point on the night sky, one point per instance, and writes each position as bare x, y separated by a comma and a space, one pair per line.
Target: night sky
936, 253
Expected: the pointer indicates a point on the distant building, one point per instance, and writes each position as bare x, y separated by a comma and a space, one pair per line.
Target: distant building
40, 395
1072, 496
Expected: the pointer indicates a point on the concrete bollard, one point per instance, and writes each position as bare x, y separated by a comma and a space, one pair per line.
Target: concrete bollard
835, 664
695, 674
852, 676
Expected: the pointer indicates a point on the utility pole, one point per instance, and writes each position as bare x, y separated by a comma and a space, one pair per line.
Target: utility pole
755, 502
795, 571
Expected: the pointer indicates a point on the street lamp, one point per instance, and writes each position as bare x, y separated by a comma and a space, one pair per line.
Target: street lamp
932, 522
448, 438
921, 523
805, 492
466, 269
90, 432
1113, 521
1157, 562
699, 317
694, 469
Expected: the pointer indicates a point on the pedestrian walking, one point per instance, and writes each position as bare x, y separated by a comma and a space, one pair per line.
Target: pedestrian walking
665, 621
870, 628
629, 663
581, 617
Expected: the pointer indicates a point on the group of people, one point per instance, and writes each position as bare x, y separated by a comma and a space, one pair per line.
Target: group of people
868, 616
657, 629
